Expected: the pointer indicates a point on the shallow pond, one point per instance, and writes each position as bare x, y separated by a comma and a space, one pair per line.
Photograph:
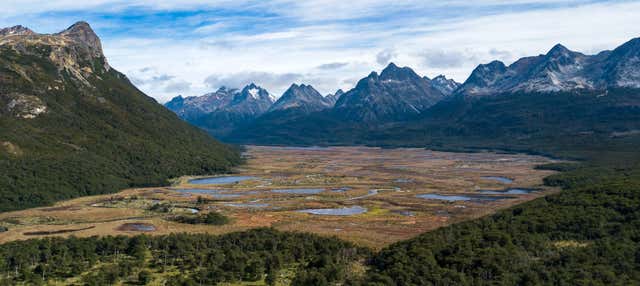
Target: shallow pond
503, 180
455, 198
247, 205
511, 191
137, 227
404, 213
220, 180
337, 212
370, 193
213, 193
298, 191
341, 190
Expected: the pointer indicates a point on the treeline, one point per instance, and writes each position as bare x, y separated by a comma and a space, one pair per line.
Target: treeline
211, 218
254, 255
589, 234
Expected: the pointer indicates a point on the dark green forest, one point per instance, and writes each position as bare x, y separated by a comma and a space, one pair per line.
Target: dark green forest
253, 255
586, 235
93, 139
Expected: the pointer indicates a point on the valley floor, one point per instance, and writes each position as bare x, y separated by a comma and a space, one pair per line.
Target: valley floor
370, 196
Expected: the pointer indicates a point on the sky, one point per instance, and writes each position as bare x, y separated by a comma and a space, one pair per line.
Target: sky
191, 47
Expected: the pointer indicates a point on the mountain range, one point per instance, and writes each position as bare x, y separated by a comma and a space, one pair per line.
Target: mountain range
559, 70
71, 125
398, 94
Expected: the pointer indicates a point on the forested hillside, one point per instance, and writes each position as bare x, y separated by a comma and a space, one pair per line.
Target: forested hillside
71, 126
586, 235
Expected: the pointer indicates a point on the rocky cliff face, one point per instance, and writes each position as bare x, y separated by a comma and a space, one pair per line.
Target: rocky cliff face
75, 54
559, 70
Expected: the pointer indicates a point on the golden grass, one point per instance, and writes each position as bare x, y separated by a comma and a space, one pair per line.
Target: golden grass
360, 168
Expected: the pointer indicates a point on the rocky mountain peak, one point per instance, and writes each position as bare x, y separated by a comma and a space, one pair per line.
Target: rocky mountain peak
444, 85
398, 93
83, 33
16, 30
393, 72
301, 97
255, 92
558, 50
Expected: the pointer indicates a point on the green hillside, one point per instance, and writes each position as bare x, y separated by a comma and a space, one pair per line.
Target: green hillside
98, 133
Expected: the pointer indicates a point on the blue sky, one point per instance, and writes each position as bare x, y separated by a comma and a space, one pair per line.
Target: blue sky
191, 47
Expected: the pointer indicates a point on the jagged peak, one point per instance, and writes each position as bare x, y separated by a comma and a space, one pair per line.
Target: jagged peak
558, 49
393, 71
252, 85
16, 30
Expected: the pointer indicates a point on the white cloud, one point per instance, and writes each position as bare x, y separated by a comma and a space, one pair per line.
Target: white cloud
328, 43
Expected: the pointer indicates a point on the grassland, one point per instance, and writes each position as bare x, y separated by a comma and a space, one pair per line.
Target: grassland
384, 181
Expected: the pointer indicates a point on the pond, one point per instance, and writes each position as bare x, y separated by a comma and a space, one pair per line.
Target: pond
298, 191
510, 191
503, 180
247, 205
404, 213
137, 227
337, 212
220, 180
455, 198
214, 193
370, 193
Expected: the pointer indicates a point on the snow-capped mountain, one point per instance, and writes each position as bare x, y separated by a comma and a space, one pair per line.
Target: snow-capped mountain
195, 106
559, 70
396, 93
252, 100
303, 98
223, 110
443, 84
